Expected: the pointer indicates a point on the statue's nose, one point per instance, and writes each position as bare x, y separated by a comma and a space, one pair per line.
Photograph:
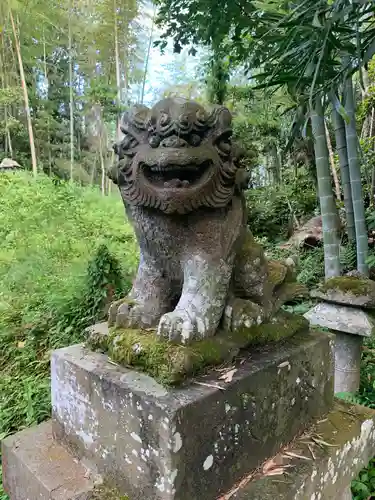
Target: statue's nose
173, 142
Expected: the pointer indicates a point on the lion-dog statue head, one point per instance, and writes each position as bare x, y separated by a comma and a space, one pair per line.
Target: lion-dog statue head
176, 157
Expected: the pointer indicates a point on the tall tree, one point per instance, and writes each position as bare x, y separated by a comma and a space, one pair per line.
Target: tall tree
148, 53
25, 93
71, 84
340, 136
117, 62
355, 179
327, 203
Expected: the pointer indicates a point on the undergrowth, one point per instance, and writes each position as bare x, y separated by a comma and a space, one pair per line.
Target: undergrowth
65, 252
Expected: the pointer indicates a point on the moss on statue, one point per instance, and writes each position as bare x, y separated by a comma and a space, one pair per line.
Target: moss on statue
106, 492
349, 284
277, 271
170, 364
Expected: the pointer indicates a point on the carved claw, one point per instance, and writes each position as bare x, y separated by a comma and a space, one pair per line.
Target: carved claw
181, 327
127, 313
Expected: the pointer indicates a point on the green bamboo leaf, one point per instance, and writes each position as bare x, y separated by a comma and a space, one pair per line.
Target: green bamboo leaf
316, 21
304, 129
340, 108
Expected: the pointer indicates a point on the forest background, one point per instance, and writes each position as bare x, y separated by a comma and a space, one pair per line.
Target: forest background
299, 79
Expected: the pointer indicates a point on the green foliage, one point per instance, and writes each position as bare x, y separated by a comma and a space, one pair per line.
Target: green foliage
364, 486
271, 209
217, 79
348, 257
10, 96
66, 252
292, 45
312, 267
50, 37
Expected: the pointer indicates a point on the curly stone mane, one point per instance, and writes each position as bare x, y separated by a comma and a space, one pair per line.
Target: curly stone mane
176, 157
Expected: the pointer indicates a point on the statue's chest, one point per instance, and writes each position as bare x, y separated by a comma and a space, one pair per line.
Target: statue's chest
176, 237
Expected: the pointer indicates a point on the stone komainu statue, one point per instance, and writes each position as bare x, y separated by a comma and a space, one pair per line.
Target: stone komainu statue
200, 268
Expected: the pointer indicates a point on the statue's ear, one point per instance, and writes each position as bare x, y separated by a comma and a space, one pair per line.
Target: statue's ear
137, 116
242, 179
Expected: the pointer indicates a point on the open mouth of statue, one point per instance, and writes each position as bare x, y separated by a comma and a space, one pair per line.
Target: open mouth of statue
175, 176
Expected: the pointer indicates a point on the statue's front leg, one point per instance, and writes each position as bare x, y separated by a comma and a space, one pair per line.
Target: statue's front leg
151, 296
199, 310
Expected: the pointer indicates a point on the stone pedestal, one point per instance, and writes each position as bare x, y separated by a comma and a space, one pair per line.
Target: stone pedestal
350, 325
320, 464
173, 444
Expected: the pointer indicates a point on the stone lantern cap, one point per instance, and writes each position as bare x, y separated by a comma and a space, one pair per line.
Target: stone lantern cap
348, 290
341, 318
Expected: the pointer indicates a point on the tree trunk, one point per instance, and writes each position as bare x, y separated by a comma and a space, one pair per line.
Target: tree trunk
365, 132
372, 201
148, 56
339, 126
71, 96
7, 137
327, 203
117, 62
332, 163
48, 121
126, 63
102, 165
355, 180
276, 165
93, 170
25, 95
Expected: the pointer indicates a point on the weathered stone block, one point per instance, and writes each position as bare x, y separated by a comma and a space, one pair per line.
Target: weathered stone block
326, 459
37, 467
195, 441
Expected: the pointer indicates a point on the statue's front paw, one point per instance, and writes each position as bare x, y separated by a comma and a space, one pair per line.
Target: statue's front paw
127, 313
181, 327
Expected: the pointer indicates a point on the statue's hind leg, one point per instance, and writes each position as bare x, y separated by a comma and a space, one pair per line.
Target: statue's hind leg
251, 273
253, 285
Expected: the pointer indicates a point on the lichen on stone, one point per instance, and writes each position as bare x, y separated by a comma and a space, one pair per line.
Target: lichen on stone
170, 363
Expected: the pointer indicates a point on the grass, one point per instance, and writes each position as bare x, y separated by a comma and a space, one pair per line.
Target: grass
63, 250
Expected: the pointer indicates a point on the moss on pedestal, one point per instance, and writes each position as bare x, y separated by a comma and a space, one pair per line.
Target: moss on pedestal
170, 364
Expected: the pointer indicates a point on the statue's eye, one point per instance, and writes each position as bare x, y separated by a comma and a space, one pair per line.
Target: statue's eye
126, 146
164, 119
129, 142
154, 141
224, 146
195, 140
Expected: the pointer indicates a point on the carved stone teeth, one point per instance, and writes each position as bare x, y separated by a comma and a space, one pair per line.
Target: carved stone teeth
176, 183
